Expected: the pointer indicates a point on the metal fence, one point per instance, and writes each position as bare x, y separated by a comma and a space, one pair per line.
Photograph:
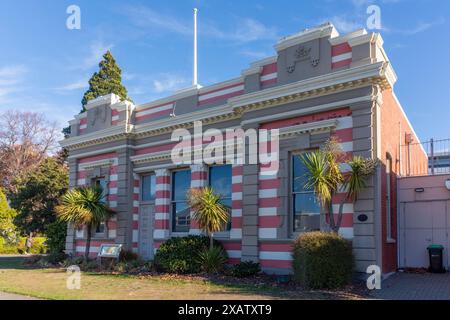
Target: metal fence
430, 157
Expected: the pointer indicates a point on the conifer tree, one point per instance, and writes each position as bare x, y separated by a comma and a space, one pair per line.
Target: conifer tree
107, 80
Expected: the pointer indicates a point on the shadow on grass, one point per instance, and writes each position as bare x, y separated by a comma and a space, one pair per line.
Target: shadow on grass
14, 262
267, 290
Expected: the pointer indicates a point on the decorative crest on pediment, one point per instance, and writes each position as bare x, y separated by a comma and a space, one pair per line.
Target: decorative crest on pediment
304, 53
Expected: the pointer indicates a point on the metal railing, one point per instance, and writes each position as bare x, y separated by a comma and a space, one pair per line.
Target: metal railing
430, 157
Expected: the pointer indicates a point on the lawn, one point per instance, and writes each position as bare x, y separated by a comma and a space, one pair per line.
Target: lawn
51, 284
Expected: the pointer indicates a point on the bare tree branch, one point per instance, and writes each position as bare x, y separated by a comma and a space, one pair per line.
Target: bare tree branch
26, 138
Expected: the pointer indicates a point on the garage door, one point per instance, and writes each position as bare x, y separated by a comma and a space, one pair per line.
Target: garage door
422, 224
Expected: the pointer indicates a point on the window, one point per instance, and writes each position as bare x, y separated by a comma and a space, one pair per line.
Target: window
100, 229
181, 213
220, 182
306, 208
388, 197
148, 188
101, 182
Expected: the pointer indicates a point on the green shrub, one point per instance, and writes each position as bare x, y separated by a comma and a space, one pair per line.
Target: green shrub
55, 258
39, 246
56, 233
245, 269
121, 267
128, 255
180, 255
212, 260
6, 247
322, 260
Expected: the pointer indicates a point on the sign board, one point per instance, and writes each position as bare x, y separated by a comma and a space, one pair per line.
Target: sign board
110, 251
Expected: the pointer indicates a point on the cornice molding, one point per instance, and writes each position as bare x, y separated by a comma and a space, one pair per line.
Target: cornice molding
152, 157
347, 37
380, 74
110, 134
108, 99
96, 164
326, 30
313, 128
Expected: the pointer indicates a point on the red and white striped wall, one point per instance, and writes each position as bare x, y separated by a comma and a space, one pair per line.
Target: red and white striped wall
161, 225
269, 185
236, 202
94, 249
341, 55
114, 117
269, 219
82, 173
155, 149
82, 126
234, 251
343, 133
221, 94
274, 255
269, 75
154, 112
199, 179
136, 194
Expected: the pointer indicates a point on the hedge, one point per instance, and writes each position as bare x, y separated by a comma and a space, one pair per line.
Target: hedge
323, 260
180, 255
39, 246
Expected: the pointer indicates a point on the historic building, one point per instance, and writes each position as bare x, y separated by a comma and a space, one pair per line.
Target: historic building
318, 85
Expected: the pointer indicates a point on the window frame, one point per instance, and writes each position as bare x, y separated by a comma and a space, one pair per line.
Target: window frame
95, 234
388, 198
141, 188
291, 192
224, 233
172, 202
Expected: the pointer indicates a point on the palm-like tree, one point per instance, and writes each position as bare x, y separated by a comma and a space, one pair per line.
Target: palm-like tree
326, 179
84, 207
211, 215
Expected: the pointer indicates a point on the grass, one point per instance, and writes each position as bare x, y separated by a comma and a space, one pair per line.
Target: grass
51, 284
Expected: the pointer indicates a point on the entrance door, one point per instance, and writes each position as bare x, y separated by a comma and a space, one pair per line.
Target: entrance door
423, 224
146, 231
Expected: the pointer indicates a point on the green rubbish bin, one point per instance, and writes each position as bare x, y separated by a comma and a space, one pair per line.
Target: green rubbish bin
436, 254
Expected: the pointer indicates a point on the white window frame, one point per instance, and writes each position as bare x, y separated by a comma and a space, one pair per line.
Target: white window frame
291, 191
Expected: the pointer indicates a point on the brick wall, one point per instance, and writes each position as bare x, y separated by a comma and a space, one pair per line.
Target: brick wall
394, 128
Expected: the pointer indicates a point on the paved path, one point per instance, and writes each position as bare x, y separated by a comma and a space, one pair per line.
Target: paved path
10, 296
407, 286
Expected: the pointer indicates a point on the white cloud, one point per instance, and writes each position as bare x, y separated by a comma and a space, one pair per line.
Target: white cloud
255, 54
245, 30
345, 25
81, 84
12, 71
422, 27
168, 83
96, 51
145, 17
11, 78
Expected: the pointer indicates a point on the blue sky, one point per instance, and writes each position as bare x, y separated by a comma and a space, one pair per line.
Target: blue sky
45, 67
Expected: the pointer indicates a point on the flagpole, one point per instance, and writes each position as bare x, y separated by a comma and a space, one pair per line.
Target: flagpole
195, 77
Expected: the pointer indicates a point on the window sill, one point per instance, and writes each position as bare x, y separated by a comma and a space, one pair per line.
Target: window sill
179, 234
222, 235
101, 236
391, 241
